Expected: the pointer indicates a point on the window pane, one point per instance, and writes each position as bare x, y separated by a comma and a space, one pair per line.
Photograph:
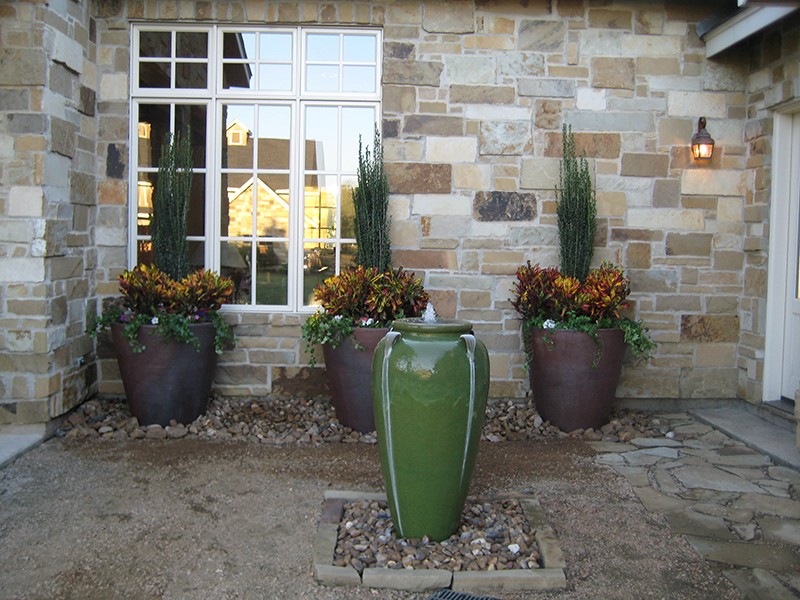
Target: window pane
235, 263
319, 262
144, 201
322, 46
155, 43
348, 257
153, 126
196, 213
322, 148
193, 44
274, 128
321, 198
237, 75
197, 258
356, 122
348, 215
192, 118
154, 75
237, 208
271, 273
275, 78
358, 79
322, 78
275, 46
191, 75
239, 45
272, 211
359, 48
237, 142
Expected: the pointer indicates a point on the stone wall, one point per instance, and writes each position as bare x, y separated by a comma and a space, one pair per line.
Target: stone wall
48, 127
773, 81
475, 95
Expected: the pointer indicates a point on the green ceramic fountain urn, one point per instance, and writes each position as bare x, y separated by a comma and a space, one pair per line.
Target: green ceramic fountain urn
430, 382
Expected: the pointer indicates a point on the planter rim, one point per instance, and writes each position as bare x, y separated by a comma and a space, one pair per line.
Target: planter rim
417, 325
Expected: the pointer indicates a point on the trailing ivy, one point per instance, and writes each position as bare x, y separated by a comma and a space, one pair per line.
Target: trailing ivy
371, 204
576, 211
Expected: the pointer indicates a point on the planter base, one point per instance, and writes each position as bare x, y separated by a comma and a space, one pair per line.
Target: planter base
166, 381
573, 386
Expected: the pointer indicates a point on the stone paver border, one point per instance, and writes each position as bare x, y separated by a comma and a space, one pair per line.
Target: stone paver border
551, 577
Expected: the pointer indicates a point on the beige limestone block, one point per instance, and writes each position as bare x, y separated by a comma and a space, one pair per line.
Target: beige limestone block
404, 13
489, 42
448, 17
472, 176
404, 234
696, 104
649, 65
402, 150
718, 182
25, 201
729, 209
451, 149
441, 204
539, 173
22, 270
665, 218
611, 204
759, 80
113, 86
676, 132
612, 72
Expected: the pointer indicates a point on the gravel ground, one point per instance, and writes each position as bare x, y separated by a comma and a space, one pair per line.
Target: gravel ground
192, 519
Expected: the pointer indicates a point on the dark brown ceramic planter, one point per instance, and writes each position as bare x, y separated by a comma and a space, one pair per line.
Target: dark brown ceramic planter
349, 372
169, 380
567, 390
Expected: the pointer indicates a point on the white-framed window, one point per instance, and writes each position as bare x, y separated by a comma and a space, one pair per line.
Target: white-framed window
275, 116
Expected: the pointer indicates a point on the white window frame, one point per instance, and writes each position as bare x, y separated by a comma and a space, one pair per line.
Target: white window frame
214, 96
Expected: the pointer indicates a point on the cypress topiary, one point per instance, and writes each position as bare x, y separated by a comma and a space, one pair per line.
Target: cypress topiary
371, 204
576, 210
170, 205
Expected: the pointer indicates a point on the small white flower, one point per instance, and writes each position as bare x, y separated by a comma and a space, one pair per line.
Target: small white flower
154, 320
549, 324
337, 317
369, 321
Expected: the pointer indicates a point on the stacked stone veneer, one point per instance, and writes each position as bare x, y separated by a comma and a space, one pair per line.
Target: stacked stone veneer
475, 94
48, 172
773, 82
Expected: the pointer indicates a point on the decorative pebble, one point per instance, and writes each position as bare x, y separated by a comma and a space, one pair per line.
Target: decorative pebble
281, 421
367, 539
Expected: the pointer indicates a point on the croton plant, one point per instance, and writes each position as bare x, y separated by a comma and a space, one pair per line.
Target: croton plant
151, 297
547, 299
363, 297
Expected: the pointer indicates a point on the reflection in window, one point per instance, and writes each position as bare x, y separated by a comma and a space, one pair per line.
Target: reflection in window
275, 144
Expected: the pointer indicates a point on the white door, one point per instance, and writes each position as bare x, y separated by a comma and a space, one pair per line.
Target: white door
790, 379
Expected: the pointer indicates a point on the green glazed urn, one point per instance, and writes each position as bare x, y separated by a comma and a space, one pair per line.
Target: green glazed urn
430, 382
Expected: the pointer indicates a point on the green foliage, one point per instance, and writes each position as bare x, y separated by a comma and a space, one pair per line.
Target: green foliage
546, 299
151, 297
576, 211
170, 206
364, 297
371, 204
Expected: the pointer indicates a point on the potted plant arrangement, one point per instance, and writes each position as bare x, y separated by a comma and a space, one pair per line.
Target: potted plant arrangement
166, 327
575, 335
357, 307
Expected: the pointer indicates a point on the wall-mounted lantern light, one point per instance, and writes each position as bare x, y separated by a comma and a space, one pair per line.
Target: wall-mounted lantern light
702, 143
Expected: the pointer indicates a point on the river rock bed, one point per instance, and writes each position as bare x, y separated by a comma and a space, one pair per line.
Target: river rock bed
282, 421
494, 535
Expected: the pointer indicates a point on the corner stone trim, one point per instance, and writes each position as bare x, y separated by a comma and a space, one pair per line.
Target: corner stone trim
551, 577
504, 206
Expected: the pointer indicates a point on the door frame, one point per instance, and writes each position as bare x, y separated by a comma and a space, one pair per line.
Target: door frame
779, 232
